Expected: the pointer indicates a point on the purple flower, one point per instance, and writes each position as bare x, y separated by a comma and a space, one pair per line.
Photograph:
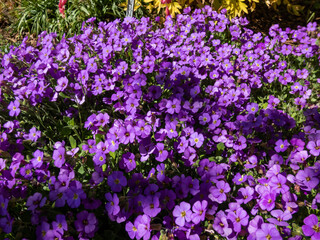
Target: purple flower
245, 195
218, 193
196, 139
154, 92
142, 129
43, 228
204, 119
59, 196
268, 231
3, 205
278, 183
132, 229
126, 135
280, 217
6, 224
35, 201
150, 206
240, 143
252, 108
267, 201
161, 172
199, 209
221, 224
182, 213
99, 158
254, 225
314, 147
162, 154
116, 181
281, 146
300, 157
113, 144
146, 147
58, 157
62, 84
74, 194
239, 179
173, 106
14, 108
167, 198
26, 171
86, 222
60, 225
311, 227
112, 206
307, 178
102, 119
215, 122
171, 130
127, 162
239, 218
151, 190
190, 185
53, 234
33, 134
143, 227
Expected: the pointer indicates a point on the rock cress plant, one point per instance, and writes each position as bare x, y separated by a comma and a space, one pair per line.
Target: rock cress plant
197, 129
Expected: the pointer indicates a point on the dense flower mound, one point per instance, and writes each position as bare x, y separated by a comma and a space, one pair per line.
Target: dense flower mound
192, 130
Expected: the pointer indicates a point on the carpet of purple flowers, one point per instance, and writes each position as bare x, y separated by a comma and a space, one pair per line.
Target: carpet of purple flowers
197, 129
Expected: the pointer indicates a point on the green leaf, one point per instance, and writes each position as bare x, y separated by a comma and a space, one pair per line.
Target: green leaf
71, 122
112, 154
98, 138
104, 167
84, 10
63, 95
220, 146
65, 131
81, 170
297, 231
265, 105
163, 235
73, 142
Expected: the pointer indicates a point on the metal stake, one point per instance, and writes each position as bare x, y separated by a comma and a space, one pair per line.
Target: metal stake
130, 8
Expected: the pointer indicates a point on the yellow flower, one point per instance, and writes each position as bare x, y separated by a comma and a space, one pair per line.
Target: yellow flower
137, 4
174, 8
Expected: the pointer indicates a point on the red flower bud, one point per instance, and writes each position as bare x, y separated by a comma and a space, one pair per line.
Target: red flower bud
62, 4
167, 12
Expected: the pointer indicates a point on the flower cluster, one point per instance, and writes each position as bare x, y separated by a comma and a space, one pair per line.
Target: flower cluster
196, 129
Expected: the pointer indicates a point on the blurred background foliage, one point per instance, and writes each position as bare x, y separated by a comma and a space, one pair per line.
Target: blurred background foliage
19, 18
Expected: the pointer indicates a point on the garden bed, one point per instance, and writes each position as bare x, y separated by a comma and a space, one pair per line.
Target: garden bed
197, 128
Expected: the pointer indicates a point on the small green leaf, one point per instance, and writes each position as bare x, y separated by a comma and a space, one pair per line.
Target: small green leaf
73, 142
265, 105
163, 235
220, 146
297, 231
81, 170
71, 122
98, 138
112, 154
63, 95
65, 131
104, 167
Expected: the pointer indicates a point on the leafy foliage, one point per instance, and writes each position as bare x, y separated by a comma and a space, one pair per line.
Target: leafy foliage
36, 16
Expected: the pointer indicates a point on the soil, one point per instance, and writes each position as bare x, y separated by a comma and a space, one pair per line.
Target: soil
263, 18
